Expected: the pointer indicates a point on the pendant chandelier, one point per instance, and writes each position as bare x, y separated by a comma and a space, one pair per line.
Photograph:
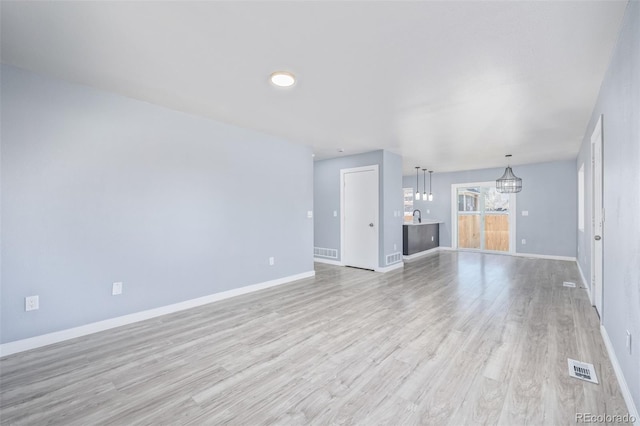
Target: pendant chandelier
509, 183
430, 193
424, 184
417, 177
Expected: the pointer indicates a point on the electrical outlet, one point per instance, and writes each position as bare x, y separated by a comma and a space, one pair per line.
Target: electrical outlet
524, 241
428, 211
525, 212
309, 214
31, 303
272, 261
116, 289
629, 342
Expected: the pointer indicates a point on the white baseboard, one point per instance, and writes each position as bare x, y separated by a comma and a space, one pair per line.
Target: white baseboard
83, 330
420, 254
328, 261
626, 393
390, 268
586, 283
544, 256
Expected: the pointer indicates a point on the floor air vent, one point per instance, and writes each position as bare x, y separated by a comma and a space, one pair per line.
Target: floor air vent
325, 252
582, 371
568, 284
394, 258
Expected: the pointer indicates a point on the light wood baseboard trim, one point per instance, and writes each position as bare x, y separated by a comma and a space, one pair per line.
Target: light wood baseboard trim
626, 393
83, 330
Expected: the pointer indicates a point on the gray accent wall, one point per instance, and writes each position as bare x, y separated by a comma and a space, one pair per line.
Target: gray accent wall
549, 194
99, 188
392, 205
327, 200
619, 104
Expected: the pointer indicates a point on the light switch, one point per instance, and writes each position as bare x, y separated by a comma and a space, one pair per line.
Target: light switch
309, 214
525, 212
335, 213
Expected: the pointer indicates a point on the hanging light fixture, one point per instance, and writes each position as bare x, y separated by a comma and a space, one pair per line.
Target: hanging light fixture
430, 193
424, 184
509, 182
417, 190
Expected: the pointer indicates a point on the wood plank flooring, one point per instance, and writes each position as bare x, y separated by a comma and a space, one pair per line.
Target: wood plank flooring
454, 338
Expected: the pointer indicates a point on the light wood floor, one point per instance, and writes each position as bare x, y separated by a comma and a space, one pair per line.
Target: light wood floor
454, 338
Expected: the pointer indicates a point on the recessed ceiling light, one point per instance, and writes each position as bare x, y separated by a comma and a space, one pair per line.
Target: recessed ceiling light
283, 79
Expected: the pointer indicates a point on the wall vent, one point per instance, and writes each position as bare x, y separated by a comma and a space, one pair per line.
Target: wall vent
582, 371
394, 258
325, 252
568, 284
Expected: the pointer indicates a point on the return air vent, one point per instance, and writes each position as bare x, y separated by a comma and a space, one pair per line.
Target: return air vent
325, 252
582, 371
568, 284
394, 258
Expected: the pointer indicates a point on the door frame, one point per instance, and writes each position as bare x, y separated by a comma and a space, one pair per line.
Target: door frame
343, 172
454, 217
597, 218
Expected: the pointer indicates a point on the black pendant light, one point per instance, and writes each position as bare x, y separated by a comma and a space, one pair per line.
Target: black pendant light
417, 190
509, 183
430, 193
424, 184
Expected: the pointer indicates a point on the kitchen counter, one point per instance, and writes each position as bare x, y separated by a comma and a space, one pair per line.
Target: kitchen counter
419, 237
424, 222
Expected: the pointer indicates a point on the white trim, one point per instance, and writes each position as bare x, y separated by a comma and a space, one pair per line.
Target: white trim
420, 254
543, 256
83, 330
503, 253
328, 261
597, 284
585, 282
393, 267
373, 167
626, 393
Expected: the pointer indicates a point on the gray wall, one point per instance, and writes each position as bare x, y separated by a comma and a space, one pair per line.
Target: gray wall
392, 205
619, 103
98, 188
327, 200
549, 194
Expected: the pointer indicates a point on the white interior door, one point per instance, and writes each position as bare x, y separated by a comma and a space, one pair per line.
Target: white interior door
597, 218
360, 225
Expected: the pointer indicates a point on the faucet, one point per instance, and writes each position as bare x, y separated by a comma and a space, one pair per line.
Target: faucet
419, 215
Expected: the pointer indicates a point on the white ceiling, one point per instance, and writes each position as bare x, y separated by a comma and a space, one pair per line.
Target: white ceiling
448, 85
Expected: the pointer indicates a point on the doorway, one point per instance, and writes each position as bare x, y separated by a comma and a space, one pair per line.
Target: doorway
483, 218
359, 219
597, 218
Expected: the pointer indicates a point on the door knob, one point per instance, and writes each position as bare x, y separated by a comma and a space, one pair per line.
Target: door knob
597, 237
371, 225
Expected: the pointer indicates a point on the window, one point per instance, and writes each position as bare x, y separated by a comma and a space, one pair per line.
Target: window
483, 220
408, 204
581, 198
